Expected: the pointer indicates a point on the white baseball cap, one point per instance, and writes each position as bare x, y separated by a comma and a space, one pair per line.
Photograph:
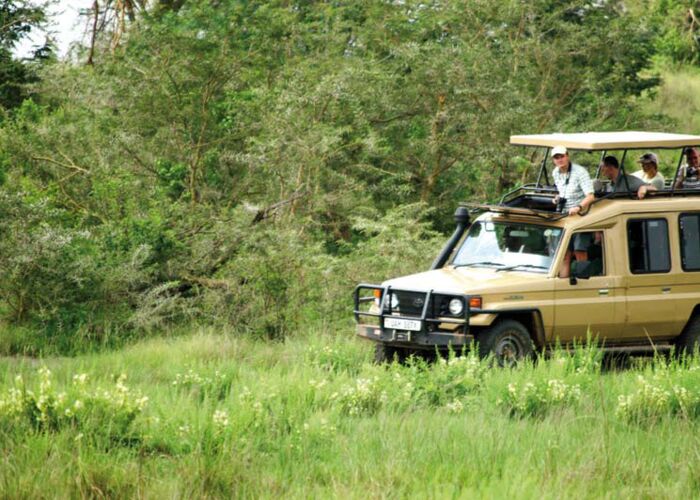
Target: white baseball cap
558, 150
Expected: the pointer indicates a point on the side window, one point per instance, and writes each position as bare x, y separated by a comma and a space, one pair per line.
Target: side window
596, 254
592, 244
647, 241
690, 241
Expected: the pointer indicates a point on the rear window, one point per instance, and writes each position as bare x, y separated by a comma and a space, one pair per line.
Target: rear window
690, 241
647, 241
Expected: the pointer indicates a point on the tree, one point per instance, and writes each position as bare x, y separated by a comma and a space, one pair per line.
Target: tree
17, 19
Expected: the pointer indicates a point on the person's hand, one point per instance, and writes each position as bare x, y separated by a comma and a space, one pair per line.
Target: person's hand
575, 210
642, 192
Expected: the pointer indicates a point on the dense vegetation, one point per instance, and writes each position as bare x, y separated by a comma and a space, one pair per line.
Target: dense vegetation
245, 163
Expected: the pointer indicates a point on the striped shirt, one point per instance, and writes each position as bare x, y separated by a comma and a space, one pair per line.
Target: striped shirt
574, 184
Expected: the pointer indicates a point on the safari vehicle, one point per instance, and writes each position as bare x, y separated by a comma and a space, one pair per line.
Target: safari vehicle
497, 280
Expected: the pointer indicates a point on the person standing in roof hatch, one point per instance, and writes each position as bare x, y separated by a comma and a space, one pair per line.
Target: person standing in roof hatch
650, 170
572, 181
689, 176
575, 195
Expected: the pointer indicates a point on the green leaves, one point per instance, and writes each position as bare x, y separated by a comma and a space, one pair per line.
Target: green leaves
248, 162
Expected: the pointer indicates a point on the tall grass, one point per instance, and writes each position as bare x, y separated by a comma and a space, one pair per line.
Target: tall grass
679, 98
313, 416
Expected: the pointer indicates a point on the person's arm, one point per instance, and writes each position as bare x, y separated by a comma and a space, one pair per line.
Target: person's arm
581, 207
681, 177
587, 187
643, 190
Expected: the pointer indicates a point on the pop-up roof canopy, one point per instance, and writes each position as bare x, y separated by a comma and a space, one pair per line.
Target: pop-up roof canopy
603, 141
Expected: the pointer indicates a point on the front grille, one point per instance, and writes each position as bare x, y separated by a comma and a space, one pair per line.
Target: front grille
412, 303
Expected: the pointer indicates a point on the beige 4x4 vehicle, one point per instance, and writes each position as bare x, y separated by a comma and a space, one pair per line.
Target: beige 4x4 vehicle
497, 280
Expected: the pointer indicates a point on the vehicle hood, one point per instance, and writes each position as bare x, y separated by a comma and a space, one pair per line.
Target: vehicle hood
471, 280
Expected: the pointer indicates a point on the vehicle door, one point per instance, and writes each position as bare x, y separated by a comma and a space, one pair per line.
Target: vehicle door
650, 308
596, 304
686, 284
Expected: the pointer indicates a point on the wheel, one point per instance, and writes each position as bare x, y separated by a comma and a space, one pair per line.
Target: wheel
615, 361
689, 339
384, 353
508, 341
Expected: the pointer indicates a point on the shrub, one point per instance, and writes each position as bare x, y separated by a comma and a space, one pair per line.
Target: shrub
106, 412
535, 399
49, 272
666, 393
447, 381
216, 386
364, 397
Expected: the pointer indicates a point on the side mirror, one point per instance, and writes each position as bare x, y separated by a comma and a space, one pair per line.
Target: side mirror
580, 270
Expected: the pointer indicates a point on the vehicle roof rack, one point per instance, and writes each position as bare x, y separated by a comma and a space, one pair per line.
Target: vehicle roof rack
604, 141
536, 199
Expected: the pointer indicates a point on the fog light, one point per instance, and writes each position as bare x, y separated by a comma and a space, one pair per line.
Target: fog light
456, 307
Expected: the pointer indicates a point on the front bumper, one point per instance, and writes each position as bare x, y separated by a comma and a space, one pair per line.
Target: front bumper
424, 340
434, 332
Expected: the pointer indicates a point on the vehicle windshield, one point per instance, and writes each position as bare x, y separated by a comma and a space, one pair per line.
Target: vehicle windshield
509, 245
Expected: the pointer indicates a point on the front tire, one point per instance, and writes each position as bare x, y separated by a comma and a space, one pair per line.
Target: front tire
384, 353
508, 341
689, 340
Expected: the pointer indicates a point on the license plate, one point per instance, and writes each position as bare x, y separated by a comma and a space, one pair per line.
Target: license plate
402, 324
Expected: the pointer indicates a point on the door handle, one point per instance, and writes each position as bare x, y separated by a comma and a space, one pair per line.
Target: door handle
603, 291
666, 290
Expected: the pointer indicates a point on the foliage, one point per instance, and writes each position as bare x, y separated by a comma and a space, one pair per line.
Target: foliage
17, 19
94, 413
533, 399
55, 274
671, 389
679, 38
247, 163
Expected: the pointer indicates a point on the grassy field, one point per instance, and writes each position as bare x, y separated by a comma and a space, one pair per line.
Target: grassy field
211, 415
678, 97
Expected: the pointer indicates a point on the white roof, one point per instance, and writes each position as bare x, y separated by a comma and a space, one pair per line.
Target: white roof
597, 141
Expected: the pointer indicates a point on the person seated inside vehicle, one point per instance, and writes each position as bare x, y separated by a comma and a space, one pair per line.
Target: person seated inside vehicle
649, 172
593, 263
689, 175
620, 183
595, 255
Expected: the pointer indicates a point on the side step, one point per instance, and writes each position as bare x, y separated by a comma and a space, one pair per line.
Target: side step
631, 349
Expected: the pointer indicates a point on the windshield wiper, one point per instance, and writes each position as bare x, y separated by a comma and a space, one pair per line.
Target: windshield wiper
480, 263
529, 266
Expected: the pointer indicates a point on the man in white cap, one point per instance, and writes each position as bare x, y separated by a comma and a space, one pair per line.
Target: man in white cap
650, 171
572, 181
575, 194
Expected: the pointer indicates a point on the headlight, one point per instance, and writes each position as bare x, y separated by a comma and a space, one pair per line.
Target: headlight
394, 301
456, 307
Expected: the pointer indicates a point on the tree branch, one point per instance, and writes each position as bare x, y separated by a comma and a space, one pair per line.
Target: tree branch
264, 213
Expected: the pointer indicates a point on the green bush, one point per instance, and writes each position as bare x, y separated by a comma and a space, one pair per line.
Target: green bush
537, 398
96, 412
668, 391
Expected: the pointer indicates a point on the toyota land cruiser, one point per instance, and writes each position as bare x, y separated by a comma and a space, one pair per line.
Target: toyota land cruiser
497, 280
